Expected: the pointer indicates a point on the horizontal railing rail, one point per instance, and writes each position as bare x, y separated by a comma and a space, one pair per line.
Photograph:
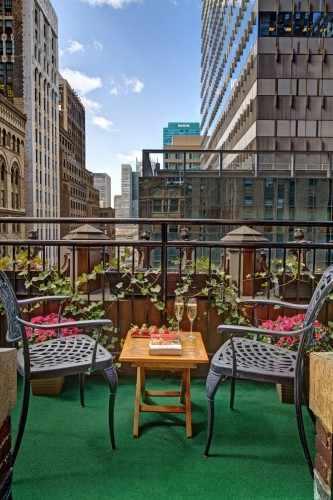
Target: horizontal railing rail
166, 221
287, 269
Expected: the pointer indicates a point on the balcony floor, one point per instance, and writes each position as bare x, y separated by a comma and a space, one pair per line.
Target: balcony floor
66, 452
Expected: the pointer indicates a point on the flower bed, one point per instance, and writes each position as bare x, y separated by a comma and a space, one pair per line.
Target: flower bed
322, 341
41, 335
48, 386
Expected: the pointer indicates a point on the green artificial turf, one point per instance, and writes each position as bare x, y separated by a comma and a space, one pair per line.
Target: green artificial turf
256, 453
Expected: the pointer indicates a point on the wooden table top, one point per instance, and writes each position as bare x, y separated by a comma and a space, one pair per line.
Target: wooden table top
136, 351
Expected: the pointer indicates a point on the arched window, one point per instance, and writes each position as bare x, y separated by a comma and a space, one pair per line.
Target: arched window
4, 138
16, 186
3, 183
18, 144
13, 143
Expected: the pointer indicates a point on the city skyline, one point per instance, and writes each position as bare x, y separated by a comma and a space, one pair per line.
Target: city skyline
125, 68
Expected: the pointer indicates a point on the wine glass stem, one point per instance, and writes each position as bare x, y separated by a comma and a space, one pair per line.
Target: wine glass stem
178, 326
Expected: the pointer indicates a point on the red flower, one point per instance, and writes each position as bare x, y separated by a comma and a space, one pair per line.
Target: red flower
40, 335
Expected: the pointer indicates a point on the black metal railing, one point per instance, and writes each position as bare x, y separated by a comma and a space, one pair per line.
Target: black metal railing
220, 161
248, 262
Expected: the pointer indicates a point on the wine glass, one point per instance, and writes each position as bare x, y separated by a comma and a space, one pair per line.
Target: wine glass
192, 309
179, 310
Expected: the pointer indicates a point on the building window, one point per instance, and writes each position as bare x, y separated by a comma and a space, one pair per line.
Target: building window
157, 206
267, 24
284, 24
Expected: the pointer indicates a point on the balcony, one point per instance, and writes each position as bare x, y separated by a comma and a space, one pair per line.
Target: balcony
65, 448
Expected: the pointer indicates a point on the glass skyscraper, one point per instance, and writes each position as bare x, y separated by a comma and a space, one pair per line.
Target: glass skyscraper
179, 128
266, 78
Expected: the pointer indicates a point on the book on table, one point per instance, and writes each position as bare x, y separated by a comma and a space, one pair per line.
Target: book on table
160, 346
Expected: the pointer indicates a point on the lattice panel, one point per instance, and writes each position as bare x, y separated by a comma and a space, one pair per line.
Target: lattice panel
72, 351
256, 357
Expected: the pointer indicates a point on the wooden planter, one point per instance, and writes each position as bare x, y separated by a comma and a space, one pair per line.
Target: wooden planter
47, 386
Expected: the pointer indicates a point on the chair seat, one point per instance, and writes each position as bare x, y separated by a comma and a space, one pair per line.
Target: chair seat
64, 356
255, 360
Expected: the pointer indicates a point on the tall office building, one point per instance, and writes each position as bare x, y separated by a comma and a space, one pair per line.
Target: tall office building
29, 73
78, 196
179, 128
266, 79
102, 183
127, 204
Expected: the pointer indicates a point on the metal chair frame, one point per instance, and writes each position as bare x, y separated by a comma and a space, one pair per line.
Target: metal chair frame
94, 356
267, 362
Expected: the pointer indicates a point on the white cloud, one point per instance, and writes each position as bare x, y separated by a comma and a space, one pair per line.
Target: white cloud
74, 47
91, 105
127, 86
130, 157
114, 91
134, 84
102, 122
116, 4
98, 45
83, 84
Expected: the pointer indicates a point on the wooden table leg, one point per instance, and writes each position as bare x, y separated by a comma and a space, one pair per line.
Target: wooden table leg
143, 384
138, 392
188, 407
182, 388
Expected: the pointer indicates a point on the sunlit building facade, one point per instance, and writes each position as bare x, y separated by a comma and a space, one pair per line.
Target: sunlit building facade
267, 75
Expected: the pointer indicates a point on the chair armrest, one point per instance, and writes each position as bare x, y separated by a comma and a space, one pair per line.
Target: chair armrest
244, 330
95, 323
272, 302
51, 298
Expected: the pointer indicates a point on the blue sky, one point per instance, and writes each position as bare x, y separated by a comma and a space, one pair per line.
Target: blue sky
136, 65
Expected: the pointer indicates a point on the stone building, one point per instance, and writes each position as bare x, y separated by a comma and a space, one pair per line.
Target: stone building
78, 196
12, 144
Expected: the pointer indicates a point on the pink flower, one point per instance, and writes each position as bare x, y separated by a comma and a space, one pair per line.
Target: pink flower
40, 335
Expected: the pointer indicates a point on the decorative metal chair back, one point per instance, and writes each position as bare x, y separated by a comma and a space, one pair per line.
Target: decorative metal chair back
12, 310
322, 291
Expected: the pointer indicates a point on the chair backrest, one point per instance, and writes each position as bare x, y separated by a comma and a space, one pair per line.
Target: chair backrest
12, 310
322, 291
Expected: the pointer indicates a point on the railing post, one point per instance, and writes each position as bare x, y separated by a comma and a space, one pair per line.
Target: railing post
164, 263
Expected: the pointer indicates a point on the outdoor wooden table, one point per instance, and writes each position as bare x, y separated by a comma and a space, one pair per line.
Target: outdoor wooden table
136, 352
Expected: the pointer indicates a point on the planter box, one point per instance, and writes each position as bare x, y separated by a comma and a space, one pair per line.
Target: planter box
47, 386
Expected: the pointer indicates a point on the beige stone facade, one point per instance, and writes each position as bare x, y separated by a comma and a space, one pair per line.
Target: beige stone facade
176, 160
12, 162
78, 196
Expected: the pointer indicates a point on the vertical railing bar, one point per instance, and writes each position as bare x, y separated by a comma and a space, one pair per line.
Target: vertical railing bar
269, 272
313, 282
89, 272
180, 270
195, 260
164, 261
299, 256
29, 266
14, 268
254, 268
284, 263
239, 272
133, 286
58, 259
73, 268
103, 276
210, 262
225, 260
